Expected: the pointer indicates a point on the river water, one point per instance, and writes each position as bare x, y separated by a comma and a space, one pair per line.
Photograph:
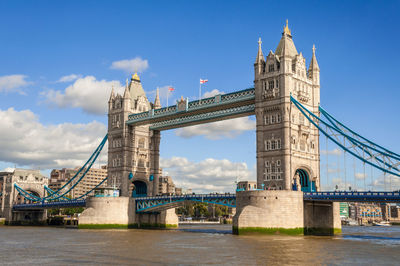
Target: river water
193, 245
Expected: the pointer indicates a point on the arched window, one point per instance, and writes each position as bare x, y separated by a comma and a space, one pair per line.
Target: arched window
278, 144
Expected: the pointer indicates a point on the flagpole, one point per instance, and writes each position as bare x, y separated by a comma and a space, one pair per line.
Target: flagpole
200, 92
167, 96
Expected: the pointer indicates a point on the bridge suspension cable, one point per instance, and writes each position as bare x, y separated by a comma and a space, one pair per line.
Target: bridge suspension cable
363, 149
54, 195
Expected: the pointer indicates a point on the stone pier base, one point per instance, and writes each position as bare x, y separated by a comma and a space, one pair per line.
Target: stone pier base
163, 219
282, 212
322, 218
108, 212
31, 217
119, 212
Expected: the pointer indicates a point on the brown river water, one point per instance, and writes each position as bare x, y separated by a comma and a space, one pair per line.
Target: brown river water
194, 245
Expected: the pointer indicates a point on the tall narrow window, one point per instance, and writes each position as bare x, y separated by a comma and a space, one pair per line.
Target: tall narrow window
278, 144
141, 143
266, 119
271, 68
268, 145
271, 84
277, 83
278, 118
273, 146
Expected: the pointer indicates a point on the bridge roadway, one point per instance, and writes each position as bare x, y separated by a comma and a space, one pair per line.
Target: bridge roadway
158, 203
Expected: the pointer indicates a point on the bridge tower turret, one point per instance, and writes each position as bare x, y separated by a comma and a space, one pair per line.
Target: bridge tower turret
130, 147
287, 145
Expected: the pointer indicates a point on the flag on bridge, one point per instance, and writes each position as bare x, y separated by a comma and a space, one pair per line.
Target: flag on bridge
171, 89
202, 81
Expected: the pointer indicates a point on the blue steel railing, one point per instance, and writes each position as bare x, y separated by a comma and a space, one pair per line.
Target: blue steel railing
148, 204
144, 204
50, 205
364, 196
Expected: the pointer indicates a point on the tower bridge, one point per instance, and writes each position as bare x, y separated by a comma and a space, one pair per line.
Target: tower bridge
289, 120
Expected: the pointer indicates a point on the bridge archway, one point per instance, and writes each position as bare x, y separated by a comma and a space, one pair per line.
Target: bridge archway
139, 189
304, 180
20, 199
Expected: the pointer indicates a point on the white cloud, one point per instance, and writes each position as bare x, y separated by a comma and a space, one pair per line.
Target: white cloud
87, 93
212, 93
136, 64
335, 152
69, 78
222, 129
26, 142
360, 176
209, 175
386, 183
13, 83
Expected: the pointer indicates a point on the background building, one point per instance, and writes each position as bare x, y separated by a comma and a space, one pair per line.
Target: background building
247, 185
58, 178
167, 187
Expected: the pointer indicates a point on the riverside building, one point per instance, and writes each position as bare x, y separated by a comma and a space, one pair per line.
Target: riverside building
59, 177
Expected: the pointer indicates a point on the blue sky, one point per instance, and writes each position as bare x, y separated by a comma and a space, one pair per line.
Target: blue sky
181, 41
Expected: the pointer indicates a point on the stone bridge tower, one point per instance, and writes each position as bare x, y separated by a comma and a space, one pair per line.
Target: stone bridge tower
29, 180
287, 144
133, 151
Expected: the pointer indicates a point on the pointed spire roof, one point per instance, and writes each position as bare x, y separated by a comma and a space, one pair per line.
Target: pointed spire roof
313, 63
112, 95
286, 46
135, 87
126, 92
157, 103
260, 56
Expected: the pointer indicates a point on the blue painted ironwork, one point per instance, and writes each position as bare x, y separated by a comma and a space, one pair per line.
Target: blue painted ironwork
361, 148
50, 205
365, 196
50, 191
57, 195
217, 100
149, 204
215, 108
191, 118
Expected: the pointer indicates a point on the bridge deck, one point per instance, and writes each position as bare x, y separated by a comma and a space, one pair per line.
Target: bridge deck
158, 203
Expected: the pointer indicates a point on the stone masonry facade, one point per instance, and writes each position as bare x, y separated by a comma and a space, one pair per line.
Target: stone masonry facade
287, 144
